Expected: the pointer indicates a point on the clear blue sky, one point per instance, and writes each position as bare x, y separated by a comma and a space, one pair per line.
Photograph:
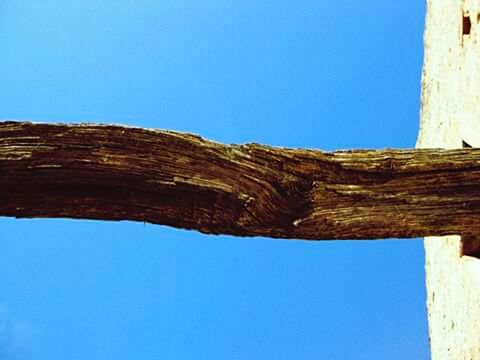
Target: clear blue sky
318, 74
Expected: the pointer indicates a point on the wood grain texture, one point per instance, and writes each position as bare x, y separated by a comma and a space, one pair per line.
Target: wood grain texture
108, 172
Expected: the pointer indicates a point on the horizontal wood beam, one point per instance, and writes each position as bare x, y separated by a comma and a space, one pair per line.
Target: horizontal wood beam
108, 172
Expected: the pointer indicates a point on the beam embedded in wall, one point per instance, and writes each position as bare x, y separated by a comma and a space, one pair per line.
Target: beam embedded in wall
108, 172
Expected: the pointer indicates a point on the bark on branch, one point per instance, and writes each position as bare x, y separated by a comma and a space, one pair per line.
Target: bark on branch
122, 173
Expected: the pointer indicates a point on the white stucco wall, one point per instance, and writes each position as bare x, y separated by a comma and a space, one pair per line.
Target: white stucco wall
450, 113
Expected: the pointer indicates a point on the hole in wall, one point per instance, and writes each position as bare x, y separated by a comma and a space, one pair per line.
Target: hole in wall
465, 144
471, 246
478, 18
466, 24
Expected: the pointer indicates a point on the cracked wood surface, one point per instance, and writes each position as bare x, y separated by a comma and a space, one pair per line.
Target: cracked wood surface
108, 172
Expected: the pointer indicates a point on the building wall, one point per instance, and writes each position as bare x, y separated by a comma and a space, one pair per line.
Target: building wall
450, 114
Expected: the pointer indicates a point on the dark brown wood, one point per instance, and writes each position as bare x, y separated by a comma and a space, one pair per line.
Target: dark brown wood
108, 172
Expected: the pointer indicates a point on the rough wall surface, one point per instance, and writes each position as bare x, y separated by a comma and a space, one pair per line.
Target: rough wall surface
450, 114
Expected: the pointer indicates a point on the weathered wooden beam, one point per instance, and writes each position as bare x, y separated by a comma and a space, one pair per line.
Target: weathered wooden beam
111, 172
